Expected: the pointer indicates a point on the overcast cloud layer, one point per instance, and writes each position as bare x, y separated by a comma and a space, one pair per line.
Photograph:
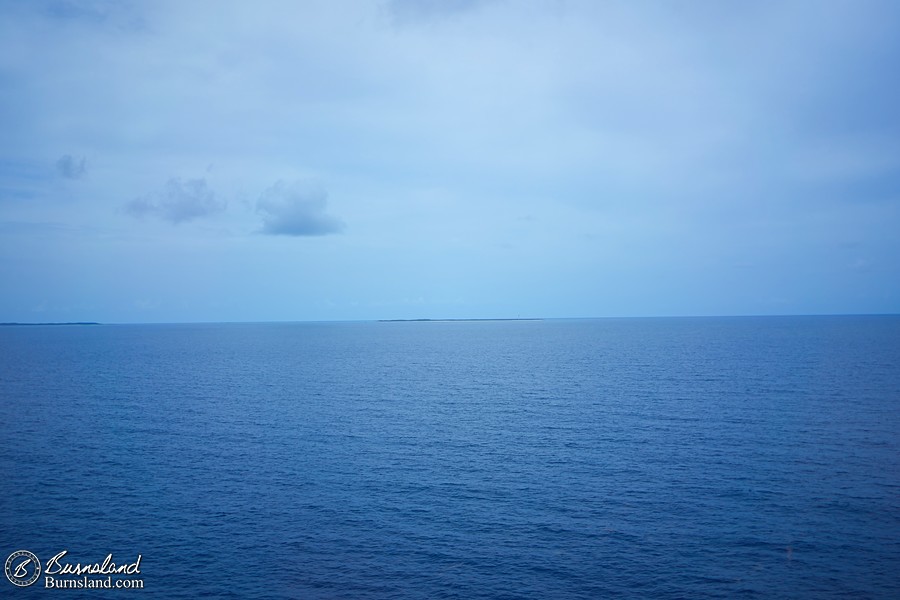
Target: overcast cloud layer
192, 161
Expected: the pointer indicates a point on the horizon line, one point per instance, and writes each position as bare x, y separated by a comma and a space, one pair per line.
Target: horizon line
443, 319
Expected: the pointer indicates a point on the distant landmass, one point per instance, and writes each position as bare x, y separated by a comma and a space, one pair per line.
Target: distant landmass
449, 320
31, 324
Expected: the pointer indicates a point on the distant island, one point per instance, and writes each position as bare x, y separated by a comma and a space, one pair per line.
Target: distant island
450, 320
33, 324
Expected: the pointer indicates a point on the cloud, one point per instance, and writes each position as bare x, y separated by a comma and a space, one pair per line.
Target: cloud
71, 168
122, 15
182, 200
72, 9
296, 209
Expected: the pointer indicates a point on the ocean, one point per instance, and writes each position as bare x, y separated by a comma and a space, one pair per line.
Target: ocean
754, 457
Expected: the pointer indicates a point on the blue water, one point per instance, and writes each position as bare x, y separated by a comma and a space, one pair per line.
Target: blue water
633, 458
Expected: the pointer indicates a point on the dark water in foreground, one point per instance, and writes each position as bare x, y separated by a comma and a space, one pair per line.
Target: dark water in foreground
646, 458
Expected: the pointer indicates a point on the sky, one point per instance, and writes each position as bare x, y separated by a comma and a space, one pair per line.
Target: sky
195, 161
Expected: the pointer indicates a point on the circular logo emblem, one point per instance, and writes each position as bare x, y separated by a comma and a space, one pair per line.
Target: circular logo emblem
22, 568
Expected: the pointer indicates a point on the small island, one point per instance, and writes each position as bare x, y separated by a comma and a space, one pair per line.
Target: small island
35, 324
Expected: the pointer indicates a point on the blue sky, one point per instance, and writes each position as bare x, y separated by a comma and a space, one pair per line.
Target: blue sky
254, 161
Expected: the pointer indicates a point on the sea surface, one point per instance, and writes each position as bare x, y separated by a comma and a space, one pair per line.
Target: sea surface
754, 457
